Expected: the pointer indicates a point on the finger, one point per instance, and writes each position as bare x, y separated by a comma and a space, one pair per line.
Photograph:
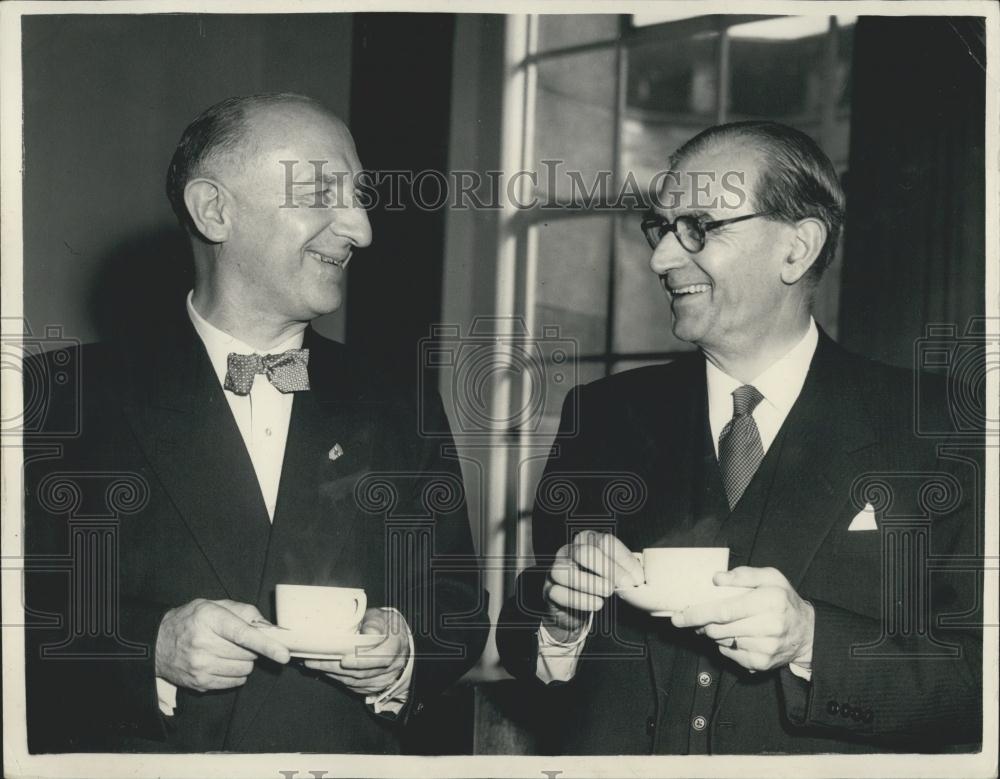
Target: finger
567, 599
220, 683
575, 578
389, 652
752, 661
227, 650
758, 625
232, 628
336, 669
245, 611
720, 612
628, 571
230, 668
747, 576
588, 555
766, 646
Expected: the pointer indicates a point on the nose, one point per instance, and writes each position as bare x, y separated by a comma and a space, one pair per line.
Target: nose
668, 255
351, 222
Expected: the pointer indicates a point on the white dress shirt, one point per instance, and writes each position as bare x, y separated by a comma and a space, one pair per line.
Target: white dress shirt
780, 384
262, 417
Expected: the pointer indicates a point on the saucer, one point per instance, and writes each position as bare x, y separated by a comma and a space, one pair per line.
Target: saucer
653, 600
313, 645
646, 598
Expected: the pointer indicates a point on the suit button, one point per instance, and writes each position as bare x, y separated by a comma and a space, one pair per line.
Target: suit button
832, 707
868, 716
857, 715
705, 679
650, 726
699, 723
846, 711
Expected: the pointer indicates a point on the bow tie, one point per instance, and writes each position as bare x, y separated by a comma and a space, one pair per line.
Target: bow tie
287, 372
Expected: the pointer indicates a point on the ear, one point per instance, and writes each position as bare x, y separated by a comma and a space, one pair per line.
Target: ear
207, 203
807, 243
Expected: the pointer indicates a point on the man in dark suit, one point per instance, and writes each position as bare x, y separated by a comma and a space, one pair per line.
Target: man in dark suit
799, 457
232, 450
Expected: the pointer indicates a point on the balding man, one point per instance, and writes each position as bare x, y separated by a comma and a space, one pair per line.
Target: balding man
260, 453
802, 459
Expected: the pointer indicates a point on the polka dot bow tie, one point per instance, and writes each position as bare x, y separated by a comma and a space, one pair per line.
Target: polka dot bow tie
287, 372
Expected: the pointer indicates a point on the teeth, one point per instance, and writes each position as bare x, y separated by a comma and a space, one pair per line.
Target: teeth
329, 260
690, 289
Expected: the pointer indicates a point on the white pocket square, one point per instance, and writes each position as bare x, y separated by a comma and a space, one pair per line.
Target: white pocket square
865, 519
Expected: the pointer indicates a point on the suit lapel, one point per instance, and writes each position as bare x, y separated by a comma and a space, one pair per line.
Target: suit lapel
824, 430
825, 427
183, 422
673, 413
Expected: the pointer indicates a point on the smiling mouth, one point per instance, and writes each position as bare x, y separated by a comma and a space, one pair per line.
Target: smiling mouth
340, 262
690, 289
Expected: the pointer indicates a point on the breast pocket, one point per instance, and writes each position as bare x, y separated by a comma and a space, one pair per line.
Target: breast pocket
848, 571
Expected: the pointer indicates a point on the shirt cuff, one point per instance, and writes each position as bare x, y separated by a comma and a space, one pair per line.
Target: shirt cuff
801, 671
557, 660
166, 696
395, 696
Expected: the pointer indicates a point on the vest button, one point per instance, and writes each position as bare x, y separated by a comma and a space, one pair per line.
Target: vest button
704, 679
650, 725
699, 723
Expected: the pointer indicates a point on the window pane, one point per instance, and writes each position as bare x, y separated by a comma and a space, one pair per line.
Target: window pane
671, 95
571, 279
558, 30
574, 123
656, 17
642, 318
775, 77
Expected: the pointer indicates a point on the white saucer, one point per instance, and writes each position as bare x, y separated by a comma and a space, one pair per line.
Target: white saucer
650, 599
321, 646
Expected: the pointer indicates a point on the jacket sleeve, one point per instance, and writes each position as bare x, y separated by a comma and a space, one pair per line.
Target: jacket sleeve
433, 571
916, 673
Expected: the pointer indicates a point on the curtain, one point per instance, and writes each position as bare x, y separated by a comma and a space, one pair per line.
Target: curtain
914, 248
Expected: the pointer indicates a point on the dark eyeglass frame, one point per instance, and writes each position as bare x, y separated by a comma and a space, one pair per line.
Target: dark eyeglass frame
692, 233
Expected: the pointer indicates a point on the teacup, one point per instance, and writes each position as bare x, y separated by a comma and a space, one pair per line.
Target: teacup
314, 609
678, 577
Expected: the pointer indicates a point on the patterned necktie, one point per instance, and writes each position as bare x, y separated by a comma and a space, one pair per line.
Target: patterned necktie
287, 372
740, 449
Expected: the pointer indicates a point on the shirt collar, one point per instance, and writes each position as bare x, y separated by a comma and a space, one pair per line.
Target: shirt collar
219, 344
780, 383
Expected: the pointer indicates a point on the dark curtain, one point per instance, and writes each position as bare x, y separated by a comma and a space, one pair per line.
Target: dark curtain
914, 248
400, 116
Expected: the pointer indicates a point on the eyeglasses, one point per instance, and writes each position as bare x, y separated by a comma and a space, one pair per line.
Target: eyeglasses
690, 230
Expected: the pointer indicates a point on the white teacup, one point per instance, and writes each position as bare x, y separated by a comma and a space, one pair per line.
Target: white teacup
678, 577
312, 609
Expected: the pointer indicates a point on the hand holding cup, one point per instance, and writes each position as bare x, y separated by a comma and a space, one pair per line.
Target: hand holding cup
582, 577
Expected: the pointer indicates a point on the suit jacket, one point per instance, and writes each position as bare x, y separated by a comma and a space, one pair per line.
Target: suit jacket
897, 662
141, 497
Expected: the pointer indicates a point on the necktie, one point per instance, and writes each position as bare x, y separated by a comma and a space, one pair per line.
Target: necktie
740, 449
287, 372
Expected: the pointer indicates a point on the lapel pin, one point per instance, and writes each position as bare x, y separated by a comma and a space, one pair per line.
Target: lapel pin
336, 453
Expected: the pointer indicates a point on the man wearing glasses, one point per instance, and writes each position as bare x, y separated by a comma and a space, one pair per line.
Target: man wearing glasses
762, 441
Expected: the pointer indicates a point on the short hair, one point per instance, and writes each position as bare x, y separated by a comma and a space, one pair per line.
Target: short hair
220, 130
796, 180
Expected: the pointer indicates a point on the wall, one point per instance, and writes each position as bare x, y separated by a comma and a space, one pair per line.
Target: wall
105, 101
